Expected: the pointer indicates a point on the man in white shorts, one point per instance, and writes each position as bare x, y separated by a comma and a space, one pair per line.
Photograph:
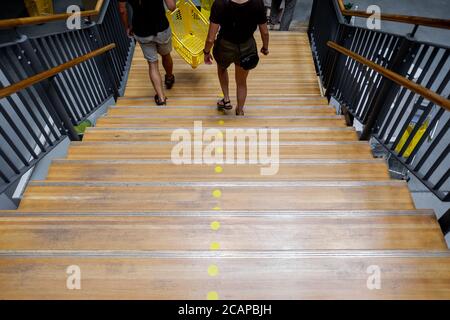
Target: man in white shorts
151, 29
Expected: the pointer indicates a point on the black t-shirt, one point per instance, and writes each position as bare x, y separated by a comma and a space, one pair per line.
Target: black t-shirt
238, 22
149, 17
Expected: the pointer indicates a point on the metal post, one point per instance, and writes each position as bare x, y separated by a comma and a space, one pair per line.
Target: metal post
62, 113
444, 222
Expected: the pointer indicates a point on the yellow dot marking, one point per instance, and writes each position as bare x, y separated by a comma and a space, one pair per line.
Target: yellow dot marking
217, 208
215, 225
213, 270
217, 193
213, 295
215, 246
220, 134
219, 150
221, 122
218, 169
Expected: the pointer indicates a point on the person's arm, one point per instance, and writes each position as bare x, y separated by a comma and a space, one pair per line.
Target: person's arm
264, 30
212, 33
171, 4
124, 15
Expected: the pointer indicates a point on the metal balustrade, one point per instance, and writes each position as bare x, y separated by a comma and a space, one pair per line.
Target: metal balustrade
411, 128
34, 120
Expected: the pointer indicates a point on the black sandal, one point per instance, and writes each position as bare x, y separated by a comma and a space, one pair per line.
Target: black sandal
160, 102
169, 81
222, 104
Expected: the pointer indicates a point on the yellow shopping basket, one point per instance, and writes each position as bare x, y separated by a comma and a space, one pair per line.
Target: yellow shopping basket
206, 7
189, 31
39, 7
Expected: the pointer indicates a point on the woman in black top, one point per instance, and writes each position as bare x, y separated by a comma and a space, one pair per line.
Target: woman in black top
235, 22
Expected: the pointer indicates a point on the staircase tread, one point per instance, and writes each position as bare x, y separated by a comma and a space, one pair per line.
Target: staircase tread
267, 233
293, 275
141, 171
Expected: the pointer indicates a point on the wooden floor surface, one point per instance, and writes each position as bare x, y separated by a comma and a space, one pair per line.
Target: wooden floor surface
140, 226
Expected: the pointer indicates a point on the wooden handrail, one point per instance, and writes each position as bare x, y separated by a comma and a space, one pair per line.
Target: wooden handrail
7, 91
415, 20
17, 22
417, 88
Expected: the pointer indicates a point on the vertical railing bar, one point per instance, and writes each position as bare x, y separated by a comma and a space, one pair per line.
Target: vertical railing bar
8, 161
432, 146
13, 146
82, 71
401, 95
80, 89
408, 102
61, 83
437, 163
90, 72
441, 182
414, 111
18, 132
26, 123
68, 78
96, 72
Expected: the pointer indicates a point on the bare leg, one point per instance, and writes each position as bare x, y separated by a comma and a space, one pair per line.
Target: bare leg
241, 84
155, 76
224, 82
167, 63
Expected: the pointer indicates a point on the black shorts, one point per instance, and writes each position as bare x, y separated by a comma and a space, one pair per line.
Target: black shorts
226, 52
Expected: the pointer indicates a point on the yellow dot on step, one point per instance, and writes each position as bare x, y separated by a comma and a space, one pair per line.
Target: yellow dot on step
218, 169
219, 150
217, 208
220, 134
217, 193
213, 270
212, 295
215, 225
221, 122
215, 246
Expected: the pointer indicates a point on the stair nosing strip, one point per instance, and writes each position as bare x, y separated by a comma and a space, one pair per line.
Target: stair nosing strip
227, 213
219, 117
230, 254
248, 183
281, 143
281, 161
175, 128
251, 98
151, 107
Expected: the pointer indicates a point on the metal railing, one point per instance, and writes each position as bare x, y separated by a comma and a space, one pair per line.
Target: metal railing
414, 130
35, 119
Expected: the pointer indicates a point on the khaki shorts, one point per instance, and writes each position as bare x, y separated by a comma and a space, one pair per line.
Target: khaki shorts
226, 52
151, 46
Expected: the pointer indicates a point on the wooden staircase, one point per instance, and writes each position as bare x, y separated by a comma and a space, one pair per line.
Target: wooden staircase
140, 227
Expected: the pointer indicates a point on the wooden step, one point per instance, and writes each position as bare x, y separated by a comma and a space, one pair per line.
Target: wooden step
246, 232
254, 196
164, 135
145, 171
208, 101
221, 121
151, 110
163, 151
235, 275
